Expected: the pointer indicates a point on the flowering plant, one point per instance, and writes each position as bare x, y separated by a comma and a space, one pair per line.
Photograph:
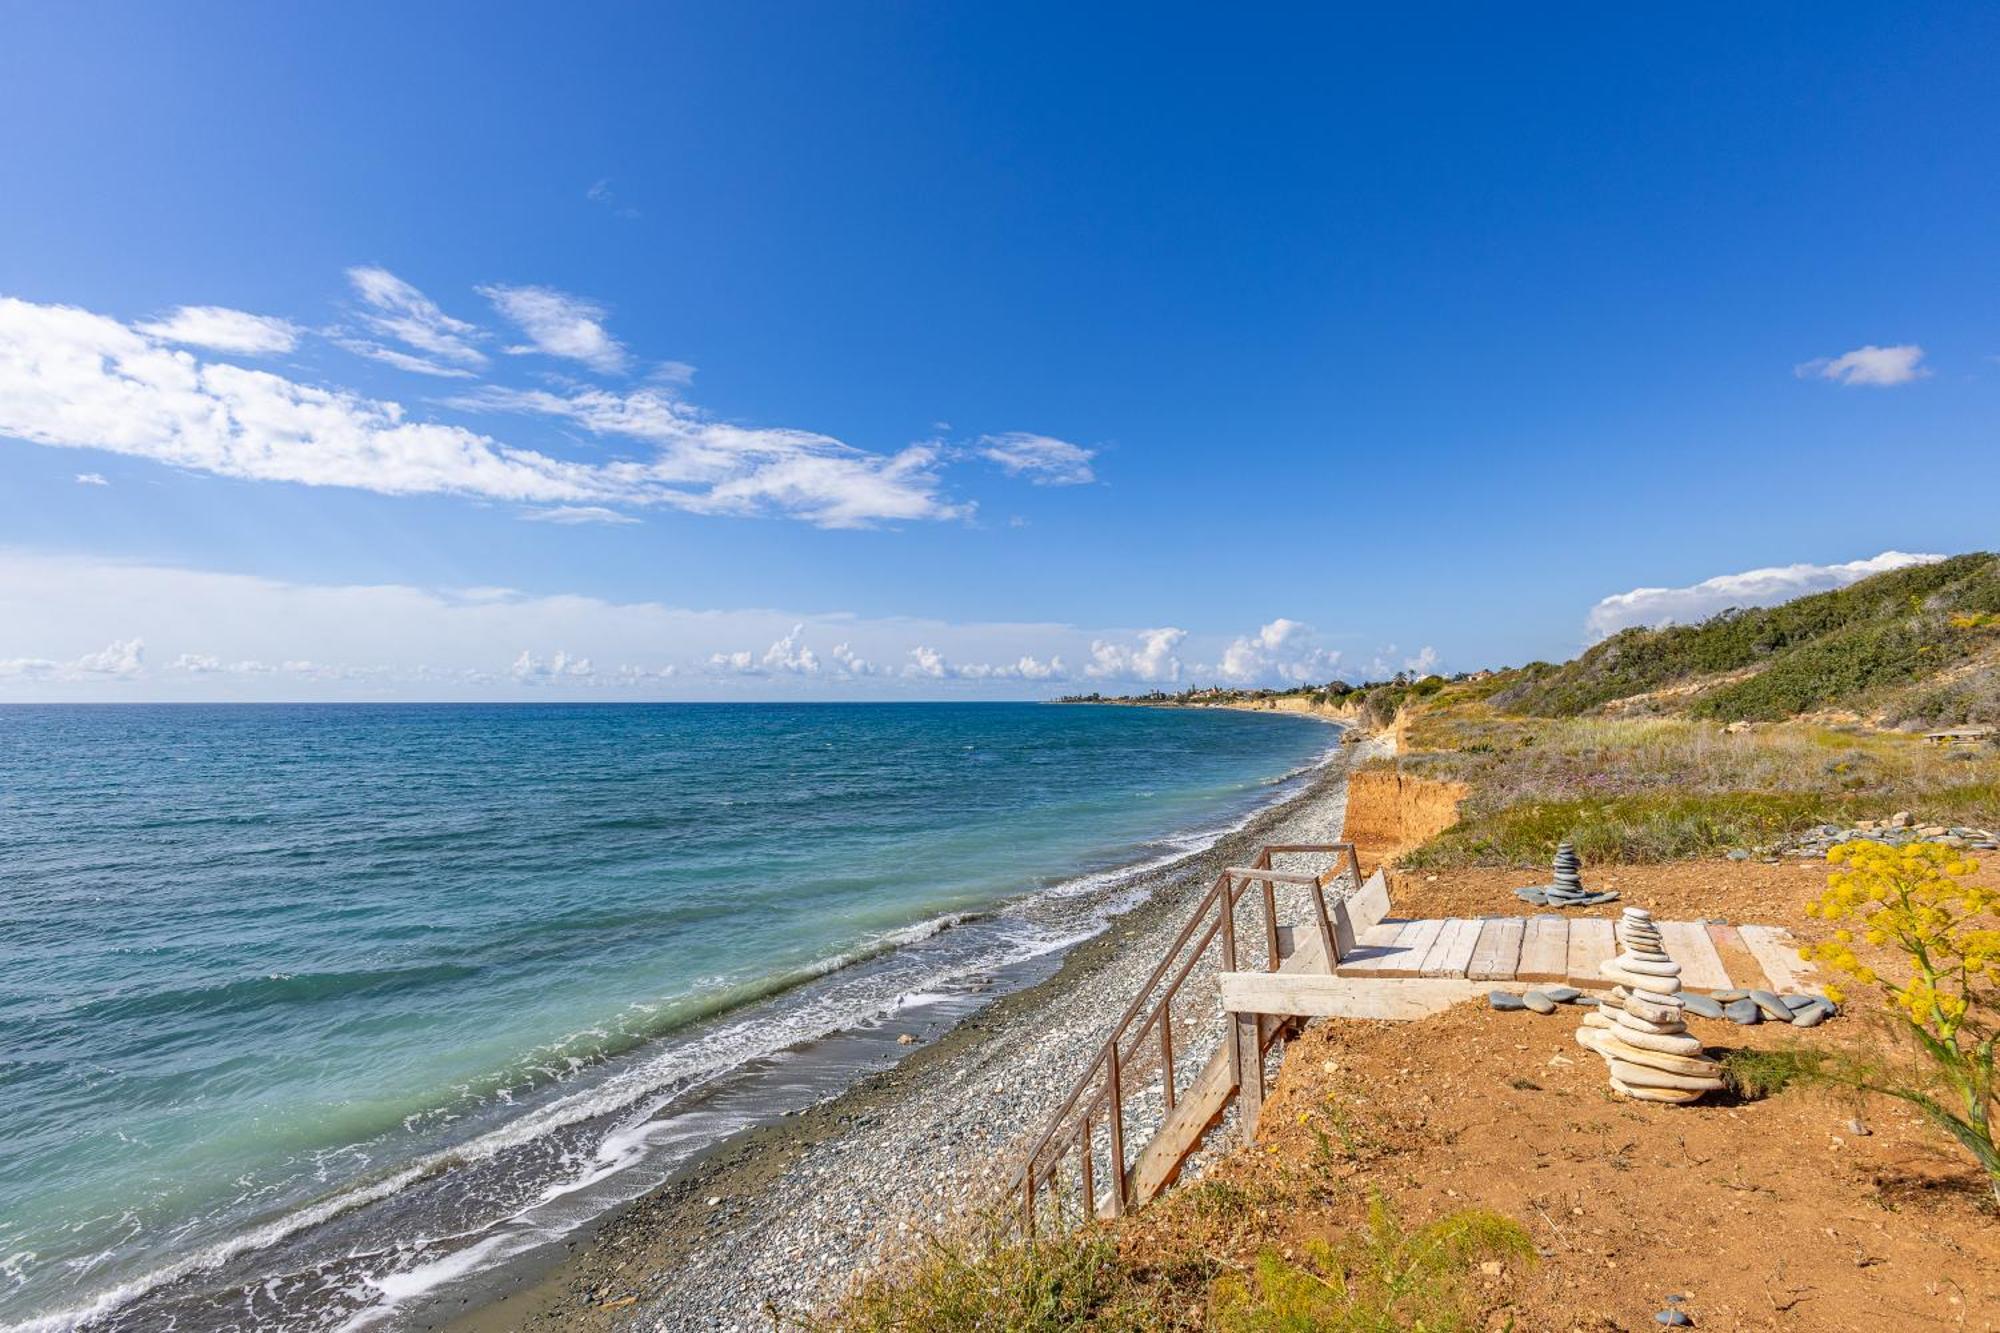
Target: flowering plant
1913, 900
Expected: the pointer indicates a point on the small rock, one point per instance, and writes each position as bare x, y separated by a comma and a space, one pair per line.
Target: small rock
1702, 1005
1505, 1000
1901, 819
1798, 1002
1744, 1011
1561, 994
1773, 1007
1813, 1015
714, 1200
1539, 1002
1739, 855
1857, 1129
907, 1039
1673, 1319
1728, 995
1492, 1268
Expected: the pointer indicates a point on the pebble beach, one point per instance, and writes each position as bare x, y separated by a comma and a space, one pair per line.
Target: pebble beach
780, 1221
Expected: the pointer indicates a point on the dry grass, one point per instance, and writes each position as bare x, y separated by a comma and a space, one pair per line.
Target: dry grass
1652, 789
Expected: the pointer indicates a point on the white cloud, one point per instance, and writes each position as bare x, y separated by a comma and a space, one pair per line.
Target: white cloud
601, 193
1042, 459
930, 664
742, 661
558, 324
570, 515
403, 360
399, 311
1151, 659
122, 659
225, 330
717, 467
532, 670
91, 479
1880, 367
789, 654
1281, 652
844, 657
71, 378
1754, 587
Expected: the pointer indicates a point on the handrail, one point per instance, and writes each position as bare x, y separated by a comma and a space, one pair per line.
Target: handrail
1099, 1092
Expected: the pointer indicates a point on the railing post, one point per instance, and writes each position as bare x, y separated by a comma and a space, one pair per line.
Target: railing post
1089, 1172
1228, 923
1271, 925
1117, 1127
1028, 1200
1167, 1052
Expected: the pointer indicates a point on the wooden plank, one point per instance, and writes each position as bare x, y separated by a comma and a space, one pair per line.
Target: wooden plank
1374, 949
1737, 960
1344, 997
1591, 942
1687, 943
1452, 951
1544, 950
1201, 1104
1778, 955
1498, 951
1198, 1110
1250, 1097
1369, 903
1412, 945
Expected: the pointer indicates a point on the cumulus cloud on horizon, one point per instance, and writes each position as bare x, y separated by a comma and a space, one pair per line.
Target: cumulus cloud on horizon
1752, 587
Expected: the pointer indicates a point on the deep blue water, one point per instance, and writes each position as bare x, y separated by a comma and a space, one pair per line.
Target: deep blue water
285, 984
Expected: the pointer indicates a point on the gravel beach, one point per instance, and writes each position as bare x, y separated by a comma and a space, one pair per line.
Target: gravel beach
781, 1220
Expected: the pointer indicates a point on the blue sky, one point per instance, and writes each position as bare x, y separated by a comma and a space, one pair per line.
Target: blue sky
653, 352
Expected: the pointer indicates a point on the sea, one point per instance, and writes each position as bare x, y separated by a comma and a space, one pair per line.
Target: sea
308, 1013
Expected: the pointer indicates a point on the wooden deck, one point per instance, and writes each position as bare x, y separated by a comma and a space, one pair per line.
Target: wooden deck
1555, 950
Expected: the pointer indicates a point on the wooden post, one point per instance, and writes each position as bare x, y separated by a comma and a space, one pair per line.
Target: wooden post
1167, 1052
1271, 926
1117, 1127
1250, 1076
1028, 1199
1089, 1171
1229, 924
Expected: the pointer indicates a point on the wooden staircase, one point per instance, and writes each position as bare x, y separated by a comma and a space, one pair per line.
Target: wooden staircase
1079, 1167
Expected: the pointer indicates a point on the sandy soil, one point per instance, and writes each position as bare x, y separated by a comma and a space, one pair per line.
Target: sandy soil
1770, 1214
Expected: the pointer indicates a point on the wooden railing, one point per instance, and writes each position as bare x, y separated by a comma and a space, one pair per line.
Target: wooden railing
1140, 1051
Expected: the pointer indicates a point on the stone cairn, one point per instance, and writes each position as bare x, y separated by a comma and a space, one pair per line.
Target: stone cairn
1567, 890
1640, 1028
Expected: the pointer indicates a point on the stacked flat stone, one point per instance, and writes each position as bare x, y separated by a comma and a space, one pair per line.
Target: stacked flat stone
1567, 889
1640, 1028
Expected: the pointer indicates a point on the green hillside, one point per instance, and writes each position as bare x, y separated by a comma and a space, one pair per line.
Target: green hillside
1882, 643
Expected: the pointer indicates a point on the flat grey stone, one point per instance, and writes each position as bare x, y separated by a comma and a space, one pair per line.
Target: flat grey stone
1744, 1011
1772, 1006
1798, 1002
1561, 994
1812, 1015
1701, 1004
1539, 1002
1673, 1319
1505, 1000
1727, 995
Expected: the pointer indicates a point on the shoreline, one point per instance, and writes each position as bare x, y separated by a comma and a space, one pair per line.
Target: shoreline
778, 1219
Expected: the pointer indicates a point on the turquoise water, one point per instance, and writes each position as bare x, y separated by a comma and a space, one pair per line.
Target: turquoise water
304, 1007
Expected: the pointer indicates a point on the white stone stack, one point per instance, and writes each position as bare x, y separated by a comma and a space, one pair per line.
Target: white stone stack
1640, 1028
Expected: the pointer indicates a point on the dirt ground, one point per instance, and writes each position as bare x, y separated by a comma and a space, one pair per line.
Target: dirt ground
1767, 1214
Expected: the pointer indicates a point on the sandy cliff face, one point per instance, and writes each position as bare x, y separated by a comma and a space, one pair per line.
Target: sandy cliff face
1388, 813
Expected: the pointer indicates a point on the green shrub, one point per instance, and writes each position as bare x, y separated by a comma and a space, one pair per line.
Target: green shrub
1385, 1279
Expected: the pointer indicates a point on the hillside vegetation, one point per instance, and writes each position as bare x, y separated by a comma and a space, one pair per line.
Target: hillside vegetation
1863, 647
